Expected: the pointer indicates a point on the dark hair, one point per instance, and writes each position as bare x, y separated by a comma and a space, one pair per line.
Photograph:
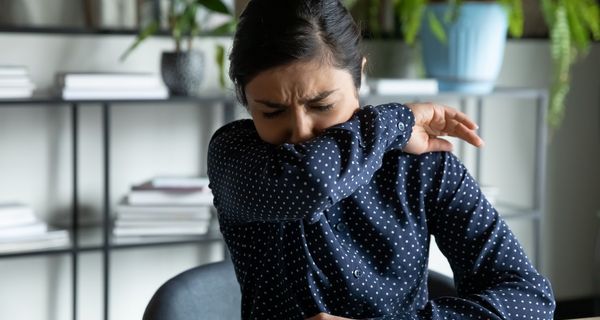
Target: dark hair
273, 33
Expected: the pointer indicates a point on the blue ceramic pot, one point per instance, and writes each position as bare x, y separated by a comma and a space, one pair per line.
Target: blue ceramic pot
471, 59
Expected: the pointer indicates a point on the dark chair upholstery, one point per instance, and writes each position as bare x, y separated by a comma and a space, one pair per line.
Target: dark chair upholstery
206, 292
212, 292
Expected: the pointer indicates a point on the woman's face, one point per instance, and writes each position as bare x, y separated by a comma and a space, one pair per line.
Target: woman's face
296, 102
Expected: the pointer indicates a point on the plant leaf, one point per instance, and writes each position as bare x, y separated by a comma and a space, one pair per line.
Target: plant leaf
410, 13
437, 28
226, 28
214, 5
576, 28
453, 11
590, 12
562, 57
516, 17
220, 60
149, 30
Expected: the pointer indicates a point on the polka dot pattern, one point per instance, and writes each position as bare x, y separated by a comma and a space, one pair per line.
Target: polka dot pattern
341, 224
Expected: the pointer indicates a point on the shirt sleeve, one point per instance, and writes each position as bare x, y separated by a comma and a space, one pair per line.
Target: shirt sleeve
252, 180
493, 276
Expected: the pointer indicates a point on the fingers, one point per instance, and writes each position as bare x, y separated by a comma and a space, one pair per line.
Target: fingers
436, 120
460, 117
439, 144
469, 135
458, 124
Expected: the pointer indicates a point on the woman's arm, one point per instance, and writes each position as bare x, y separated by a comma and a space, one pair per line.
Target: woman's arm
252, 180
494, 277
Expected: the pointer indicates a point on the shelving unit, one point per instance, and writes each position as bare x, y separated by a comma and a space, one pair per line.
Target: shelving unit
108, 243
101, 235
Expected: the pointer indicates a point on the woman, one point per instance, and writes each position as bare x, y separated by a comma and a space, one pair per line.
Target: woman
327, 208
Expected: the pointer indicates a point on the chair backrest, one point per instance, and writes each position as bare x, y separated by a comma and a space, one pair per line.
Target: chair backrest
211, 292
206, 292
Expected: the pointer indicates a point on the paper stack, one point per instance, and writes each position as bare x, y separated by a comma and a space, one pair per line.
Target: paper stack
15, 82
403, 86
20, 230
165, 207
111, 86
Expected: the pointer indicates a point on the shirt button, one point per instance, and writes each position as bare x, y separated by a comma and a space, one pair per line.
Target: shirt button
401, 126
357, 273
341, 227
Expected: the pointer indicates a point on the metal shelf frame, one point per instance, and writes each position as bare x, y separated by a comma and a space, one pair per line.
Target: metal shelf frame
107, 245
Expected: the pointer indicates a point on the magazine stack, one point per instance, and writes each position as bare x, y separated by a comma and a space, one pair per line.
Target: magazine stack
21, 230
111, 86
15, 82
165, 207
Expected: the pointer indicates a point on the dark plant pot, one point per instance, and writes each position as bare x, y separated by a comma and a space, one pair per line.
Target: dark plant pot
471, 60
182, 72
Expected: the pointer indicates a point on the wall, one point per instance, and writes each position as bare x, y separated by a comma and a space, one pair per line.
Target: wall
155, 139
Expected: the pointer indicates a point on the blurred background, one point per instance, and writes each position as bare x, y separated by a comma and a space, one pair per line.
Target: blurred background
72, 145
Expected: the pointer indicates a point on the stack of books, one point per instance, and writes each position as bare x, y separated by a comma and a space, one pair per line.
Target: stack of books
15, 82
165, 207
20, 230
403, 86
111, 86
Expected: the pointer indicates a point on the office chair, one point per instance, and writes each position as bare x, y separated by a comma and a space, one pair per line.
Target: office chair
211, 292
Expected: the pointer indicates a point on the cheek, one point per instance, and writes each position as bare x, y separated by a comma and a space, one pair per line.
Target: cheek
270, 130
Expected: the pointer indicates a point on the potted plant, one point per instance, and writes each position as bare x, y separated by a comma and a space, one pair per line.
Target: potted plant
572, 24
182, 69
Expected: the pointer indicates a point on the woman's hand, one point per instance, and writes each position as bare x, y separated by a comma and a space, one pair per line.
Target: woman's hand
435, 120
325, 316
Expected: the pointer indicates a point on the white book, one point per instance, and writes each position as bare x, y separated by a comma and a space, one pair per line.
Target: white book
161, 224
15, 81
16, 92
404, 86
49, 240
180, 182
23, 231
110, 81
154, 197
120, 94
14, 214
163, 212
13, 70
167, 231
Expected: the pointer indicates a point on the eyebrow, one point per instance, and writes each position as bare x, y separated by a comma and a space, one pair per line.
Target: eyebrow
277, 105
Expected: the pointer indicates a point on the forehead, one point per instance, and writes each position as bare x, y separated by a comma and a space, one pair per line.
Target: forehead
297, 80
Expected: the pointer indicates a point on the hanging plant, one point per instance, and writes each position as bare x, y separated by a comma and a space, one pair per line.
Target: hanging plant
572, 24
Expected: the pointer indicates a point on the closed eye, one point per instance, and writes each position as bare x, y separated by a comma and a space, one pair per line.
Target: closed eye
272, 114
323, 107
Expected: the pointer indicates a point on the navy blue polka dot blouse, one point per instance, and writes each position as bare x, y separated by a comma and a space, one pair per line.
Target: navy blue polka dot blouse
341, 224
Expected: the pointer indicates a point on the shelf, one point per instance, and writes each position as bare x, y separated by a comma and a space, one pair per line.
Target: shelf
507, 92
90, 240
46, 97
508, 211
37, 252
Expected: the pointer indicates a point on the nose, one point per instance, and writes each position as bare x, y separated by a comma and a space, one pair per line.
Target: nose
301, 128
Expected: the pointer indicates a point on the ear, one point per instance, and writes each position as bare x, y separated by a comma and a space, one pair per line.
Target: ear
364, 63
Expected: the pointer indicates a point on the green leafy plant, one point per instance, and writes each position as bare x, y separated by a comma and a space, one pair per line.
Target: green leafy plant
572, 24
184, 27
